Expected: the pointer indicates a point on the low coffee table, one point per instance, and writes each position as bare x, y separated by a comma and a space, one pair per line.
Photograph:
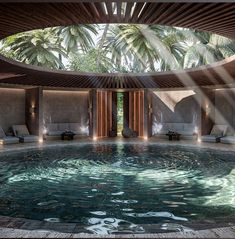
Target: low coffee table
67, 134
173, 135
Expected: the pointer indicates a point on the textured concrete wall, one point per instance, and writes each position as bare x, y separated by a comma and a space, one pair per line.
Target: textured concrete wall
225, 107
65, 106
175, 107
34, 120
12, 107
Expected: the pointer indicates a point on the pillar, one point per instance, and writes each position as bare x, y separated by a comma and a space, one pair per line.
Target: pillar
114, 112
207, 111
125, 110
34, 111
92, 112
147, 113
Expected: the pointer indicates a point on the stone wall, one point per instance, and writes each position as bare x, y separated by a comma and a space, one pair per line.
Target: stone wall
225, 107
34, 110
65, 107
176, 107
12, 107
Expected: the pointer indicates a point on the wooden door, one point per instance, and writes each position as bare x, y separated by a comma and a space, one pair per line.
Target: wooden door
106, 113
134, 111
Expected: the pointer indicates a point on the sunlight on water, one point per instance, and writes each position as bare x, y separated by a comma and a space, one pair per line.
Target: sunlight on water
112, 225
119, 188
157, 214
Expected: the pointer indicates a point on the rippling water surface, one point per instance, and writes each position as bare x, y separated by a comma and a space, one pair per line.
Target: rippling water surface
111, 188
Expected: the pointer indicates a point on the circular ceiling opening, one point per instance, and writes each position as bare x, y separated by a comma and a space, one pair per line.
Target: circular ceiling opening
115, 48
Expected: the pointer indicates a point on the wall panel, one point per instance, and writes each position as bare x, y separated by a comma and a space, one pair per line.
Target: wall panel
12, 107
105, 106
136, 111
66, 106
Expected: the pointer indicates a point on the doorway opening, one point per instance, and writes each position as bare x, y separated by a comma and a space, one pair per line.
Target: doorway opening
120, 118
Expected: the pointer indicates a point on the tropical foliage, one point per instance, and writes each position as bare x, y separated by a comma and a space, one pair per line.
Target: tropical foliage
117, 48
88, 62
75, 38
37, 47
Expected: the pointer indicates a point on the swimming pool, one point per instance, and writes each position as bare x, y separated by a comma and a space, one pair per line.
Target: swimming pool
114, 188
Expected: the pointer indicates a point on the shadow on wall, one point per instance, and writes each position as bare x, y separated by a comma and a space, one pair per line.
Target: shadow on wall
225, 108
176, 107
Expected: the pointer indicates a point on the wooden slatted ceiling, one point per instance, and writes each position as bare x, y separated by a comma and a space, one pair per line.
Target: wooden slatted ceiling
213, 17
20, 74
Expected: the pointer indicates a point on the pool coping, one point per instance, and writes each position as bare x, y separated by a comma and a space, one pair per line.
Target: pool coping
88, 140
11, 227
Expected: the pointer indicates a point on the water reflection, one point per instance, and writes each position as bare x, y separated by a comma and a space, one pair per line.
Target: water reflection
157, 214
112, 225
113, 188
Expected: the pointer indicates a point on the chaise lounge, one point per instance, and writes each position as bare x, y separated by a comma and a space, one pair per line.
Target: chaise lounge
217, 133
21, 131
7, 139
229, 138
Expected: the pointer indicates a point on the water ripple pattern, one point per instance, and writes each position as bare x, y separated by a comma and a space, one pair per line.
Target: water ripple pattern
119, 188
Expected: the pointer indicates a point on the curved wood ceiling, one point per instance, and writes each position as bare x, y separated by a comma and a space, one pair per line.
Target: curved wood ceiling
213, 17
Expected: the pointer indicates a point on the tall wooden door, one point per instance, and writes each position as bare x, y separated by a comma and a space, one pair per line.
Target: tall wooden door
134, 111
106, 111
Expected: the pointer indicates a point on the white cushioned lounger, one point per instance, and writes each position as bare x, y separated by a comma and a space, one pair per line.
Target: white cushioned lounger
211, 138
228, 140
218, 131
22, 132
7, 139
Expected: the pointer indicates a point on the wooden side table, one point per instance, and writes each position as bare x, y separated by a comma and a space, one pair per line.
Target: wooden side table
67, 134
173, 135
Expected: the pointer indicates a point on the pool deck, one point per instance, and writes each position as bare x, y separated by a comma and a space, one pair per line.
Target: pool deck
224, 232
88, 140
25, 228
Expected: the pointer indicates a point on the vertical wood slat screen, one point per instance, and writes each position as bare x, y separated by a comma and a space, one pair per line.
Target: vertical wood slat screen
136, 111
104, 113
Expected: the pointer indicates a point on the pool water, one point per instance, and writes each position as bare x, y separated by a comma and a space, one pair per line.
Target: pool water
113, 188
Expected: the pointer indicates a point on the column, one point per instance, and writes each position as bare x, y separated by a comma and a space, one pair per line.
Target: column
207, 111
93, 113
34, 111
147, 113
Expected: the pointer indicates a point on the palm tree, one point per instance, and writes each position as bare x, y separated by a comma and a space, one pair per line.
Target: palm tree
205, 48
174, 42
38, 47
132, 43
101, 44
88, 62
149, 48
76, 37
122, 48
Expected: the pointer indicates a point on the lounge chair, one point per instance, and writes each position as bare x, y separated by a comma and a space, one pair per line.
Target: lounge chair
7, 139
21, 131
218, 131
229, 138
